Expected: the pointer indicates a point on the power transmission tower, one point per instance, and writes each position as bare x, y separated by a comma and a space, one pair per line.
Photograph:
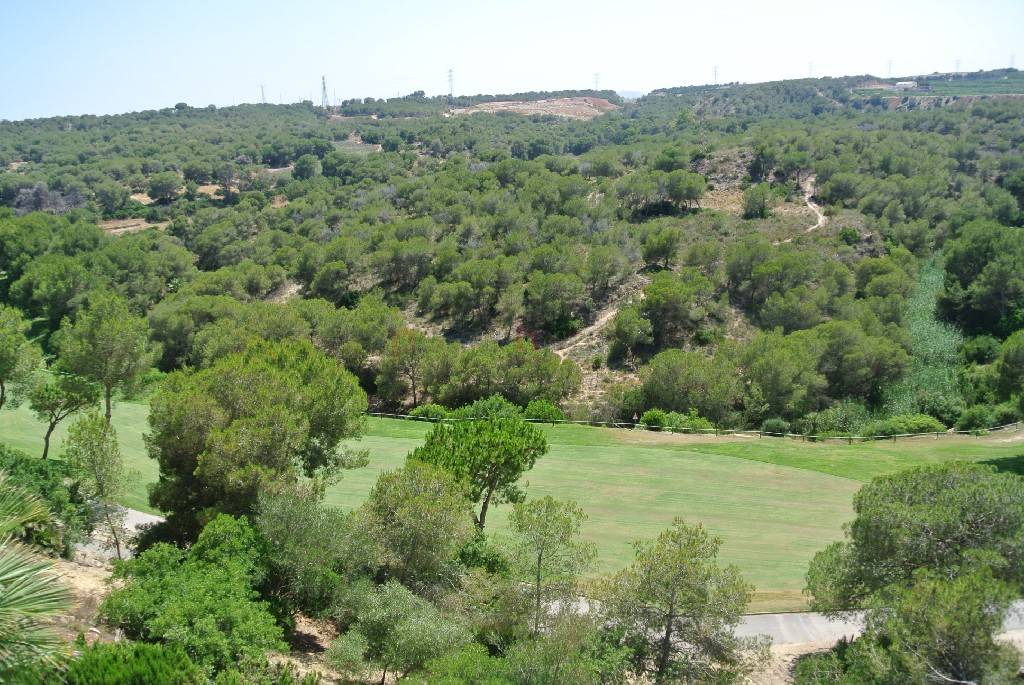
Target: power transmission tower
324, 102
451, 85
810, 70
716, 74
957, 70
263, 95
890, 68
1012, 57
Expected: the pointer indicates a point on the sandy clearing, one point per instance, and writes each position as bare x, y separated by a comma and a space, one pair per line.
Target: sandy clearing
571, 108
123, 226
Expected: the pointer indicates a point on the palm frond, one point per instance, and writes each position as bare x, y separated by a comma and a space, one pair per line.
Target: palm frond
30, 591
18, 507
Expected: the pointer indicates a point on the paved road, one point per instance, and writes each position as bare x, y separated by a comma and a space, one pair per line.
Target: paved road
802, 627
135, 519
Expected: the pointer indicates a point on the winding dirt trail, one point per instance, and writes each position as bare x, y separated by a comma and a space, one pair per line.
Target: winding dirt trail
591, 332
808, 187
587, 333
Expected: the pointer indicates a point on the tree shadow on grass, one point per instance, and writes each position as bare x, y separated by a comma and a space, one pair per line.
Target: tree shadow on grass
1008, 464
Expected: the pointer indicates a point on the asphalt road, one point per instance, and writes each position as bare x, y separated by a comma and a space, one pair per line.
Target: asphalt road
802, 627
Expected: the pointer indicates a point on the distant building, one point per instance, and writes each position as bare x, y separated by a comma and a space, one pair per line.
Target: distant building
906, 85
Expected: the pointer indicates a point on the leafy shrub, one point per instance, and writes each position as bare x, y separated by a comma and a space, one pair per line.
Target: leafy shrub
983, 349
1005, 413
775, 425
978, 417
942, 406
654, 419
543, 410
54, 482
202, 600
491, 407
134, 663
843, 418
430, 412
904, 424
396, 631
823, 668
267, 674
690, 421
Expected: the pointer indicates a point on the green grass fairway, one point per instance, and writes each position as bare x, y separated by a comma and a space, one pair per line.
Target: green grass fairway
775, 502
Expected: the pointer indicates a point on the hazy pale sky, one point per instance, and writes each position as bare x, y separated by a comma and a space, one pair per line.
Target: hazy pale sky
106, 56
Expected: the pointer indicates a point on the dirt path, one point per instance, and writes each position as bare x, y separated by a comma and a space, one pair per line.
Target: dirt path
631, 291
587, 333
808, 187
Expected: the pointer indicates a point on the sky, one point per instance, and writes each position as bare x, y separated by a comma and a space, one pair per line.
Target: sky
104, 57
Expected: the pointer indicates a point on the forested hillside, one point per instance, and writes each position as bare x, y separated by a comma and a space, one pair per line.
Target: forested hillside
808, 257
662, 250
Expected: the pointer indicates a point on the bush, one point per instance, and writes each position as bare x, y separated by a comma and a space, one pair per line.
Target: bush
267, 674
54, 482
654, 419
687, 422
776, 425
491, 407
1005, 413
543, 410
430, 412
843, 418
904, 424
134, 663
978, 417
202, 600
983, 349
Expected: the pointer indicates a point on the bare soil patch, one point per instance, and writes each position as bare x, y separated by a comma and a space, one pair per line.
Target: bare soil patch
278, 201
123, 226
142, 198
288, 290
729, 201
354, 143
210, 189
779, 669
87, 580
278, 170
725, 169
571, 108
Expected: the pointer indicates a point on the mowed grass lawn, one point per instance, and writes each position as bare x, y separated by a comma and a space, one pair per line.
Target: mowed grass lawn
774, 502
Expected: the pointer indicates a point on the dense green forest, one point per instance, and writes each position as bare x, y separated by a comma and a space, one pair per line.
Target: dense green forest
799, 257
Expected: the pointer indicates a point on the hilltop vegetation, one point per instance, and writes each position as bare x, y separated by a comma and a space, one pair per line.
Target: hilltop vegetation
501, 227
794, 256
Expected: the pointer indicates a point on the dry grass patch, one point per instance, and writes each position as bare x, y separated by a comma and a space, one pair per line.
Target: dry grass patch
123, 226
